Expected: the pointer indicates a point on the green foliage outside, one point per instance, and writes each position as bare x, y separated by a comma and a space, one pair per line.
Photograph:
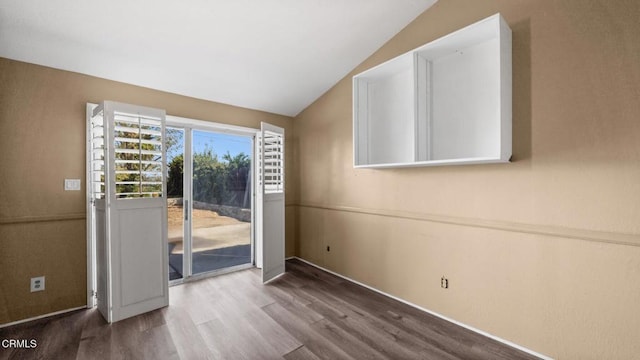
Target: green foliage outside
174, 178
215, 181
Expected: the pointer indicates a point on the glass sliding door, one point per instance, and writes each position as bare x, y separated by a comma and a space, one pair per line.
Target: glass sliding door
175, 140
209, 201
221, 207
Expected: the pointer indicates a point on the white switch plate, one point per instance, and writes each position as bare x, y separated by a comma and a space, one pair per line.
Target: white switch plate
37, 284
72, 184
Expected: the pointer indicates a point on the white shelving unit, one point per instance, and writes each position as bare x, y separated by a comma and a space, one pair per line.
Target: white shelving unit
447, 102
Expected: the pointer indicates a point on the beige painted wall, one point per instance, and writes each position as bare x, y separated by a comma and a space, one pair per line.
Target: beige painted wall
42, 142
543, 251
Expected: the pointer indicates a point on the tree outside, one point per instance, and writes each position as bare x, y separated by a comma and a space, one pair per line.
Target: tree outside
215, 181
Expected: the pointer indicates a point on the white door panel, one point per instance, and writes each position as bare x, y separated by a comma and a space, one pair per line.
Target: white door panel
140, 256
271, 176
128, 180
273, 251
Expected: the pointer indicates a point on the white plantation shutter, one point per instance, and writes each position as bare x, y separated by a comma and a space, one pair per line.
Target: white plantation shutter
272, 162
129, 210
138, 152
97, 155
271, 203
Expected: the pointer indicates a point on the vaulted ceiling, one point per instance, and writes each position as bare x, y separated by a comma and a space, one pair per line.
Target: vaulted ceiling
272, 55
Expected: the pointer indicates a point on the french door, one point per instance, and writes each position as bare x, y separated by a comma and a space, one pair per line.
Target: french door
210, 200
179, 197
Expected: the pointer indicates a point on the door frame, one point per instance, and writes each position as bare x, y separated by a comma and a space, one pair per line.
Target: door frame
188, 125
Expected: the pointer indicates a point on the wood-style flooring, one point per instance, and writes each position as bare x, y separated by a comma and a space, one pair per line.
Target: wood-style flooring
305, 314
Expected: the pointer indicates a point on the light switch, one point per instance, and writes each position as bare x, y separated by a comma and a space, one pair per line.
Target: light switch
72, 184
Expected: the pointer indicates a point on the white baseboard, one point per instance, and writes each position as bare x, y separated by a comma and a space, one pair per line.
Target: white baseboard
41, 316
496, 338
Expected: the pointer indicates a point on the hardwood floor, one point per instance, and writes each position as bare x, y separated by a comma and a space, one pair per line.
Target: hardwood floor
305, 314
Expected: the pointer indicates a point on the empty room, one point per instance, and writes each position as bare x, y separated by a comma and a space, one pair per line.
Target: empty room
320, 179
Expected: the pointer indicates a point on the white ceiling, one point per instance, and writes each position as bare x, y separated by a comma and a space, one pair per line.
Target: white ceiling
272, 55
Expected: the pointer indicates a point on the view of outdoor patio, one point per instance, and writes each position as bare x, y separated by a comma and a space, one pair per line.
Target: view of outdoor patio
218, 241
220, 201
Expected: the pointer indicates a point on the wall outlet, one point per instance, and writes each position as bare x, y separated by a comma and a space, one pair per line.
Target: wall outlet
37, 284
444, 283
72, 184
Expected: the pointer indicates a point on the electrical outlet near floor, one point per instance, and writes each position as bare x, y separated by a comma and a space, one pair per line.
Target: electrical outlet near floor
444, 283
37, 284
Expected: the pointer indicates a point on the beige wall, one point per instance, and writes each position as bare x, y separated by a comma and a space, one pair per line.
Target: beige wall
543, 251
42, 142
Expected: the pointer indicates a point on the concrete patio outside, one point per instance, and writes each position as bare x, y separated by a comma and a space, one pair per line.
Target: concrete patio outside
218, 241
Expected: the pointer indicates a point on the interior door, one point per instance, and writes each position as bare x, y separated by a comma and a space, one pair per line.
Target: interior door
271, 201
129, 181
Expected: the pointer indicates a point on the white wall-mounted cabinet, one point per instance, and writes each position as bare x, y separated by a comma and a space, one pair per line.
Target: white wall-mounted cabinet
446, 102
